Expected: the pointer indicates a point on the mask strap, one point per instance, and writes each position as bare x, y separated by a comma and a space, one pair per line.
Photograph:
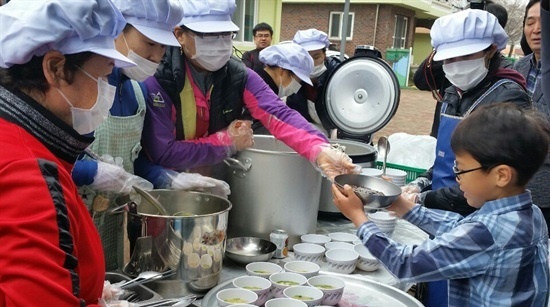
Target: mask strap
87, 74
125, 42
65, 97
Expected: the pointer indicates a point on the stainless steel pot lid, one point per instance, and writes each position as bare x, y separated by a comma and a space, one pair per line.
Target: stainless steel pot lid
361, 96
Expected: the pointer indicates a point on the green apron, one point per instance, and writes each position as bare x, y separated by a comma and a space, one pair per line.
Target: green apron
118, 136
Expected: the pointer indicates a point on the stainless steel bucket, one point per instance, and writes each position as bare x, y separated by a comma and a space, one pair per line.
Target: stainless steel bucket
272, 187
189, 239
361, 154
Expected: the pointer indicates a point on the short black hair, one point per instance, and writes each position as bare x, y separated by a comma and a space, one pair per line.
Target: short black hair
262, 26
498, 11
30, 76
504, 134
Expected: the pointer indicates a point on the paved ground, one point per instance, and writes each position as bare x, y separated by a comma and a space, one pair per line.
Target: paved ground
414, 115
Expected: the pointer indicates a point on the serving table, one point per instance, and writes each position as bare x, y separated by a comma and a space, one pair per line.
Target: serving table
404, 232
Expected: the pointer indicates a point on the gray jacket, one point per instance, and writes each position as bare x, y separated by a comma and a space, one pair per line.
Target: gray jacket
539, 102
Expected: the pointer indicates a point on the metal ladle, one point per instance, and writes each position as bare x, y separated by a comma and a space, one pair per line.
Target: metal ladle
383, 147
152, 200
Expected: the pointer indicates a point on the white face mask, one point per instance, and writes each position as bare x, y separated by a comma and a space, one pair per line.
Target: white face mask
143, 69
87, 120
318, 70
213, 53
466, 74
290, 89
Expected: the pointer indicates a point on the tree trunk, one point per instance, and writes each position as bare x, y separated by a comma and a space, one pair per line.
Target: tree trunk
511, 51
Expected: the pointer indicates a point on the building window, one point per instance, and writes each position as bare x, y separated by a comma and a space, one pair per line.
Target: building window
336, 24
400, 33
245, 18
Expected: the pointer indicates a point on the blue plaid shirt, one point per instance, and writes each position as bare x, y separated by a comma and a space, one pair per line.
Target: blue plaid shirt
534, 76
496, 256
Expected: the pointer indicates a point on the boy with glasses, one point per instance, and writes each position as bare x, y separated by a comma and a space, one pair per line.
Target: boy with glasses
496, 256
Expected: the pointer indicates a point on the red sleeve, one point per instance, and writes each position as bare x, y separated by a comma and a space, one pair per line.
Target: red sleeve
50, 253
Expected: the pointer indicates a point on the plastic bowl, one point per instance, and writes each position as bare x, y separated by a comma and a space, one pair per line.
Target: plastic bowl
284, 302
256, 284
245, 250
308, 252
309, 295
390, 190
315, 239
283, 280
341, 260
306, 268
367, 262
333, 245
233, 296
332, 287
262, 269
342, 237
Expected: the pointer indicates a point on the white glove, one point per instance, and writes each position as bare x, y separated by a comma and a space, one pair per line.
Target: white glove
113, 178
333, 162
193, 181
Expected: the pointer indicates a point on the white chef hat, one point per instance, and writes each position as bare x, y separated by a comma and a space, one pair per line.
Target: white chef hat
289, 56
311, 39
209, 16
32, 28
466, 32
155, 19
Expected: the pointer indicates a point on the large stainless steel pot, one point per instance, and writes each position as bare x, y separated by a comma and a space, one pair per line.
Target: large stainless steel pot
272, 187
190, 239
361, 154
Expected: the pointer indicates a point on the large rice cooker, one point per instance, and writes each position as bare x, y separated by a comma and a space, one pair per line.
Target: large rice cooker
360, 97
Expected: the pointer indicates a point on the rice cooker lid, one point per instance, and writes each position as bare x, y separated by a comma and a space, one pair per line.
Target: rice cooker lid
361, 96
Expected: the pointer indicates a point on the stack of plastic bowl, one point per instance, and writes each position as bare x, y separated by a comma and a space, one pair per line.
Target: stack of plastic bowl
373, 172
333, 245
398, 177
384, 220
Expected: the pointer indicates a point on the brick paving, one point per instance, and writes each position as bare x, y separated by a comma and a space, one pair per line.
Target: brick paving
414, 114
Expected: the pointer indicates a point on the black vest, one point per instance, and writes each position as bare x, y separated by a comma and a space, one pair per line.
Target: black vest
226, 100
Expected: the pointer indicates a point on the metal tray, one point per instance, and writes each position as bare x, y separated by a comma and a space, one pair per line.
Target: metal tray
144, 293
358, 292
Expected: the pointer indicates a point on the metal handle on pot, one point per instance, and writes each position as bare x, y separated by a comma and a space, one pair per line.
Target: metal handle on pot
240, 165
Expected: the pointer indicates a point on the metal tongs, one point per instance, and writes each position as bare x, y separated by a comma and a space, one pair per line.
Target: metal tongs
140, 281
174, 302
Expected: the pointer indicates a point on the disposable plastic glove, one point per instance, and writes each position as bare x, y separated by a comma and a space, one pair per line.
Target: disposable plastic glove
241, 134
333, 162
193, 181
113, 178
416, 186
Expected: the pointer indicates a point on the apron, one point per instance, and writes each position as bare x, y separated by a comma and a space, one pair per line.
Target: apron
443, 175
118, 136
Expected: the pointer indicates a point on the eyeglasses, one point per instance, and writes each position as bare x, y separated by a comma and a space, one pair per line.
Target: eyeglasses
214, 36
262, 35
459, 172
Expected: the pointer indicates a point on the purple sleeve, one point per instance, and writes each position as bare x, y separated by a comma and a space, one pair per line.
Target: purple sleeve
159, 136
284, 123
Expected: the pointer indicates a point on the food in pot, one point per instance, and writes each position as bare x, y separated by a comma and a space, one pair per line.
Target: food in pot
302, 297
287, 283
366, 191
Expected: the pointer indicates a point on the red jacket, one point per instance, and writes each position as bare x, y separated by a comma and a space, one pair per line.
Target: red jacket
50, 251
